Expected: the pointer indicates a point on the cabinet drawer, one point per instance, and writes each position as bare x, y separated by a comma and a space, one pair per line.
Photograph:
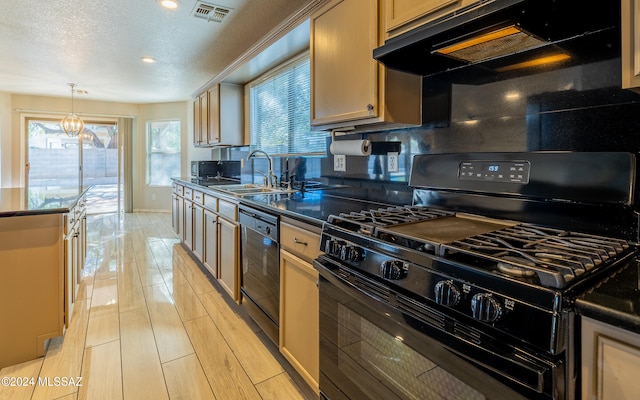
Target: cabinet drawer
228, 210
211, 202
188, 193
178, 189
302, 242
198, 197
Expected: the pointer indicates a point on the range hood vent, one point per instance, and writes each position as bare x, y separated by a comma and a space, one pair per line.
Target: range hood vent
210, 12
505, 35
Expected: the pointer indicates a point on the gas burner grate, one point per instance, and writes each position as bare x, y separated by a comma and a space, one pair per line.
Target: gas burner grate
366, 221
554, 256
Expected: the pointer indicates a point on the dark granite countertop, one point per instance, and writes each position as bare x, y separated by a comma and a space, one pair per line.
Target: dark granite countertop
38, 200
615, 300
316, 205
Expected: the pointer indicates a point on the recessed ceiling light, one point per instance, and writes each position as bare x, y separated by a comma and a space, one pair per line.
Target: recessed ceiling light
148, 60
170, 4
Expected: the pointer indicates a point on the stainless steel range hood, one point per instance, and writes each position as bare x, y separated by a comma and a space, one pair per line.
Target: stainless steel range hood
508, 35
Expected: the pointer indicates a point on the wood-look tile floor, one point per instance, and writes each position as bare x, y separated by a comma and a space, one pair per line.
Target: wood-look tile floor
149, 324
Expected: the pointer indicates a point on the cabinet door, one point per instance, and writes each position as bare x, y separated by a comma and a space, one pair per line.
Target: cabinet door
630, 44
204, 117
210, 260
610, 362
198, 231
229, 237
213, 131
71, 277
83, 240
68, 279
197, 131
400, 12
176, 215
187, 236
344, 75
299, 311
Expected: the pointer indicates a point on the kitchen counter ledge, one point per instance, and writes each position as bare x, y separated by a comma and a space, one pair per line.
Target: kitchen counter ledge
314, 206
615, 300
39, 200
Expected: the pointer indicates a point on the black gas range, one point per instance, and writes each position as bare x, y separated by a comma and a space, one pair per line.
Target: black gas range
475, 282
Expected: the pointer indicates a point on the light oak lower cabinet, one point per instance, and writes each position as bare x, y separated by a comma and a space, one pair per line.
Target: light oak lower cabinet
198, 225
630, 44
41, 258
610, 362
75, 243
228, 260
210, 260
187, 233
176, 214
210, 230
299, 299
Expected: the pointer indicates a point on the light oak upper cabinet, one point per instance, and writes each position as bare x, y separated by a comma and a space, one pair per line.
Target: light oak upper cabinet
630, 44
350, 88
200, 119
610, 362
403, 15
217, 116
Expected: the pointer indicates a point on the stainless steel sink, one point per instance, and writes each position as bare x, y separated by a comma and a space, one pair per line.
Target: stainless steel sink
247, 189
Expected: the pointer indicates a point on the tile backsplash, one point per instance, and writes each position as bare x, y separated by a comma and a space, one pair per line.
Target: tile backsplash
579, 108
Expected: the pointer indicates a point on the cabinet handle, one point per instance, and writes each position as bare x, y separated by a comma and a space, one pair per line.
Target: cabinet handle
370, 107
296, 241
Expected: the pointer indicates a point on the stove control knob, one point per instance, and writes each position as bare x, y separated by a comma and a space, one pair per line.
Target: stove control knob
485, 308
393, 270
334, 247
355, 254
447, 293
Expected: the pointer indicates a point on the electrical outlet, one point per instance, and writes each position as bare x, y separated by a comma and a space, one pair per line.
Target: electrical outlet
392, 162
340, 162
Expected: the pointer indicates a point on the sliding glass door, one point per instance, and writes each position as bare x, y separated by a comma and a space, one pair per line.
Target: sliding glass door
90, 159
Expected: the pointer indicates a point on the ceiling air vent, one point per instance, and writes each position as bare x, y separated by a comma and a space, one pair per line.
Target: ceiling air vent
210, 12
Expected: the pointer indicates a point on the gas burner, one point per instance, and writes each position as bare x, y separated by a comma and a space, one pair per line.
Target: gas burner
510, 265
366, 221
525, 250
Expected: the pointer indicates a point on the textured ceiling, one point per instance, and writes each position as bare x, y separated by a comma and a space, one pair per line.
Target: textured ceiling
44, 44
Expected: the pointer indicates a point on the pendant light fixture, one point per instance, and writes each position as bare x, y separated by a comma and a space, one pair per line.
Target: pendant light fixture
72, 124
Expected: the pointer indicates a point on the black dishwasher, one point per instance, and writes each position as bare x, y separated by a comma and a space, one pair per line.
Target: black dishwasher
260, 285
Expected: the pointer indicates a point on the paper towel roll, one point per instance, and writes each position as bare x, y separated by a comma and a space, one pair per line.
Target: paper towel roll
351, 147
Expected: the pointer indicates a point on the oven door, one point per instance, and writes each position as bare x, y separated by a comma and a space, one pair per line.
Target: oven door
369, 349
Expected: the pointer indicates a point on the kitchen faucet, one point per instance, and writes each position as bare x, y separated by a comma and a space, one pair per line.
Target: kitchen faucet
271, 178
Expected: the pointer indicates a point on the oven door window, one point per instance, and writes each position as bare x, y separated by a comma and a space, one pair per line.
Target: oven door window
370, 363
369, 350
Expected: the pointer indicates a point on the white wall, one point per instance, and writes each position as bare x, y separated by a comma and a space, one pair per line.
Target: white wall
5, 140
12, 150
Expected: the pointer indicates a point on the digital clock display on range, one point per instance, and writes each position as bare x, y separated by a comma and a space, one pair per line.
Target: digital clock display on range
491, 167
495, 171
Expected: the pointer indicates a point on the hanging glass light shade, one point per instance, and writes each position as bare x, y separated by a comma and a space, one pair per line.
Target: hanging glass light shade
72, 124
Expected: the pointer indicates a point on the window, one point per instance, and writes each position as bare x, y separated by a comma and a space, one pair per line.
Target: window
280, 111
163, 152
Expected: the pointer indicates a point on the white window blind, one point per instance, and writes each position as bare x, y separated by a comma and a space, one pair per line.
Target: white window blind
280, 112
163, 152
